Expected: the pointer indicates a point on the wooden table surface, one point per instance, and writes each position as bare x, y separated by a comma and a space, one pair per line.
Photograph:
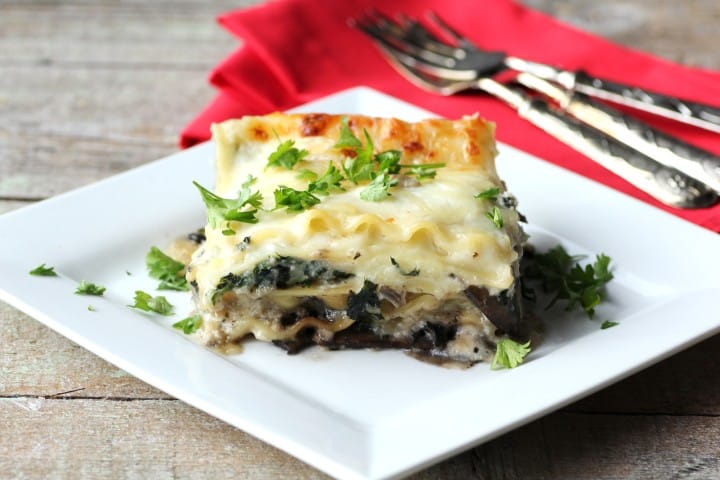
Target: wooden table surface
91, 88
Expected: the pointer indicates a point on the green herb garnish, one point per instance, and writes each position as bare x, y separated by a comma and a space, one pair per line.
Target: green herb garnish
608, 324
330, 180
489, 194
147, 303
389, 161
360, 166
164, 268
91, 308
509, 354
43, 271
411, 273
377, 190
88, 288
225, 209
560, 273
424, 170
495, 216
189, 325
294, 200
347, 138
286, 155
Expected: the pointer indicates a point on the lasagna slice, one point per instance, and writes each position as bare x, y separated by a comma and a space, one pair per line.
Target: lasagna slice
359, 232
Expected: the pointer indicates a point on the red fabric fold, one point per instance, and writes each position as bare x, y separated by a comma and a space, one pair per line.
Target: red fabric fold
295, 51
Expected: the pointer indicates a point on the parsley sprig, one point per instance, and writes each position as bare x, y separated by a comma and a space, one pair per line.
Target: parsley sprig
43, 271
294, 200
232, 210
189, 325
166, 269
147, 303
330, 180
89, 288
560, 273
287, 155
489, 194
362, 165
509, 354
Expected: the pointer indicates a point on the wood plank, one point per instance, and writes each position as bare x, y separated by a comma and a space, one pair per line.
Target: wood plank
684, 32
112, 120
36, 361
161, 438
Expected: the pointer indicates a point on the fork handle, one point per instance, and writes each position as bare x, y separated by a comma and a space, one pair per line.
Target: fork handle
693, 113
666, 184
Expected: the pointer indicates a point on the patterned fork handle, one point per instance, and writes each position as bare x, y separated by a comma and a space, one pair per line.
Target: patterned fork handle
693, 113
666, 184
668, 150
698, 114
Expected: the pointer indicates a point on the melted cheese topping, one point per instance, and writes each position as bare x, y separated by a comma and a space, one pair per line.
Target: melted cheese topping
436, 226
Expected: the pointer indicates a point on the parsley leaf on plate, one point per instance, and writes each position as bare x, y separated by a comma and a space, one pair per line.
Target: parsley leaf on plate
608, 324
147, 303
189, 325
164, 268
88, 288
43, 271
561, 274
509, 354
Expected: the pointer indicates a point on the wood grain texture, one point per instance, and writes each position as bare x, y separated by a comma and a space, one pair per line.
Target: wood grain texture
91, 88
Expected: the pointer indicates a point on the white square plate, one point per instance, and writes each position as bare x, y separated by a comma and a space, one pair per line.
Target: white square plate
362, 414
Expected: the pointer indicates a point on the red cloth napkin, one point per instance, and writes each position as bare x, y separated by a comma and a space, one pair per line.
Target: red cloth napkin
295, 51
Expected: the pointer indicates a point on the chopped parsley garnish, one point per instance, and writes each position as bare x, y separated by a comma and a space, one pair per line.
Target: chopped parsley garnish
509, 354
91, 308
347, 138
412, 273
294, 200
286, 155
43, 271
377, 190
88, 288
225, 209
561, 274
307, 174
495, 216
166, 269
608, 324
147, 303
189, 325
360, 166
424, 170
489, 194
389, 161
330, 180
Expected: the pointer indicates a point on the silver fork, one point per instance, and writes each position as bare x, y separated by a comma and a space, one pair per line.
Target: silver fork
666, 184
467, 61
416, 47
